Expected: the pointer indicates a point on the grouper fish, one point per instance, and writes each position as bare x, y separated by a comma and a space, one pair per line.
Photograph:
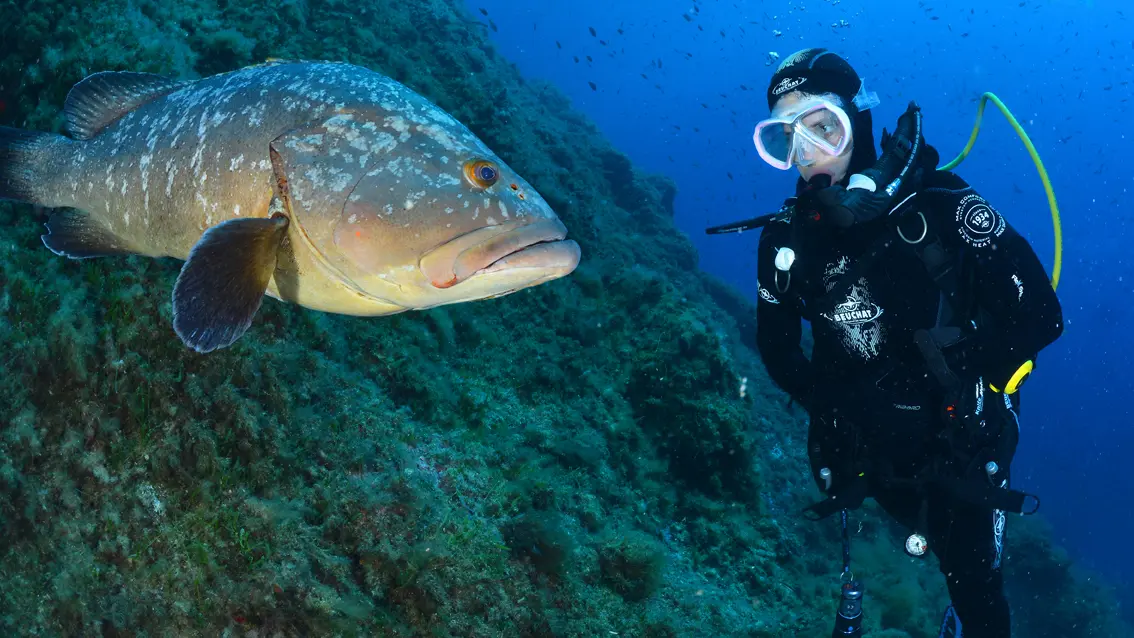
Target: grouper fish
322, 184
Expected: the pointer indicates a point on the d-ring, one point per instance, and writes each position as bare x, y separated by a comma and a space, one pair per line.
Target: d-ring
924, 231
786, 286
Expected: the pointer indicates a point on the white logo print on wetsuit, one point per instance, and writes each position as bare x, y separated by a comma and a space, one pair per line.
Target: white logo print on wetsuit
856, 318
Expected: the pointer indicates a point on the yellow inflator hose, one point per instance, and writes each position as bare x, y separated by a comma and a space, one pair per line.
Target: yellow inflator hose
1058, 264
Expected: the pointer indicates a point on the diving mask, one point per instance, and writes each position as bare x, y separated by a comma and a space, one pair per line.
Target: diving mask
798, 134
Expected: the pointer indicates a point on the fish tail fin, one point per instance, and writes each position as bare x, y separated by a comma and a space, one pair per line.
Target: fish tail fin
19, 150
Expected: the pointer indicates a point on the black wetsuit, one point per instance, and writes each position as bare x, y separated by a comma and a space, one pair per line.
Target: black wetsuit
867, 386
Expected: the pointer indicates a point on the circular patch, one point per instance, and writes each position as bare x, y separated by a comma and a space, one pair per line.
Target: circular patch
977, 222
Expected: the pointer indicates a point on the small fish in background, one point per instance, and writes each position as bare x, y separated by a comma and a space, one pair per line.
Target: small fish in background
593, 86
322, 184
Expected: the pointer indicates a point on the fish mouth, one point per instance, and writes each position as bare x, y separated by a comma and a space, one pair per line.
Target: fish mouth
540, 246
560, 256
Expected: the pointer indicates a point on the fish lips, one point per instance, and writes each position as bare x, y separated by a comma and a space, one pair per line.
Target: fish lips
539, 246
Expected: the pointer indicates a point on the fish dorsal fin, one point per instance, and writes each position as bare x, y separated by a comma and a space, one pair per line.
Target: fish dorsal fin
100, 99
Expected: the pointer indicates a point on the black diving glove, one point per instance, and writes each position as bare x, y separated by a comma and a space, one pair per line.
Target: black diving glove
878, 190
950, 360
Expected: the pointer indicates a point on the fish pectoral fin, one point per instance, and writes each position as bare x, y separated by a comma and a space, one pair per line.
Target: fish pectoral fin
100, 99
223, 281
75, 234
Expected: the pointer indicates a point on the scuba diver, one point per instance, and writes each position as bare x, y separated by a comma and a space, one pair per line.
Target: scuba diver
927, 311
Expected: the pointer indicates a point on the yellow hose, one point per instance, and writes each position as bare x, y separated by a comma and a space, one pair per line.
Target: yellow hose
1058, 264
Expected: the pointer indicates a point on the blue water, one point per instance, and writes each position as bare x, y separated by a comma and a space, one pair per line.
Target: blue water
1062, 66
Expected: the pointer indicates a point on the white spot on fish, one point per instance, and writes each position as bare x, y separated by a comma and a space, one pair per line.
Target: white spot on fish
383, 142
197, 158
236, 210
144, 164
236, 162
409, 204
397, 123
171, 173
340, 181
439, 135
503, 209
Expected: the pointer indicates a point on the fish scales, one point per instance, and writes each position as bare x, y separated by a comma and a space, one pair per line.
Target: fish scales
322, 184
167, 171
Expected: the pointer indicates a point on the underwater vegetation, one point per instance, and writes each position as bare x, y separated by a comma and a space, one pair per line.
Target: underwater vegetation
597, 455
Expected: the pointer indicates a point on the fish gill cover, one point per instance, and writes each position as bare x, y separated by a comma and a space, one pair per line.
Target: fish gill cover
601, 455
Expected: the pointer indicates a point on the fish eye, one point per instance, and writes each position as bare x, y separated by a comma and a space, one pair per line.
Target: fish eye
481, 173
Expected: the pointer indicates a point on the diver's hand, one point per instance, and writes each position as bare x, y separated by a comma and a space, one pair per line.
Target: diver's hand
905, 155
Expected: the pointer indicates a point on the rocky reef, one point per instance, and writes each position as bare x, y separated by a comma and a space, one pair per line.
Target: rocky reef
578, 459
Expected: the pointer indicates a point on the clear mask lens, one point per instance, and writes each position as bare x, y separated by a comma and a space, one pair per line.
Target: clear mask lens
799, 137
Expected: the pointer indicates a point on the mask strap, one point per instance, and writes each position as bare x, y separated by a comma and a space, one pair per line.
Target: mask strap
865, 100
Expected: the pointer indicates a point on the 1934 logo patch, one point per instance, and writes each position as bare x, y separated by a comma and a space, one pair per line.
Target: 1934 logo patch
977, 222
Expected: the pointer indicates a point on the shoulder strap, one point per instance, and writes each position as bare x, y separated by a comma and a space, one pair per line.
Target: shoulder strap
942, 263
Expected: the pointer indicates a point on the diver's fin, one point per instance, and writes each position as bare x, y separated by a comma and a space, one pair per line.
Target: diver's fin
18, 152
75, 234
950, 624
100, 99
223, 281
